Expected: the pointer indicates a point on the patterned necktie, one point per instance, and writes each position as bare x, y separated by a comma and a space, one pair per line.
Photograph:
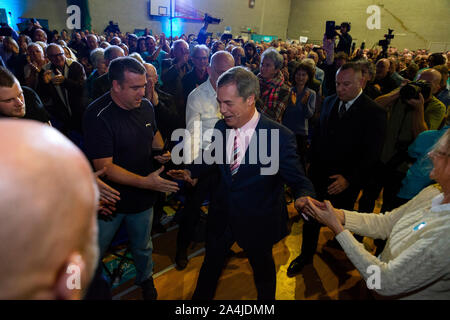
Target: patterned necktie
234, 166
342, 109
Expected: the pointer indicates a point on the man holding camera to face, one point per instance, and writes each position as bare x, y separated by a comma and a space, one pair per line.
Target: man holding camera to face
345, 39
413, 109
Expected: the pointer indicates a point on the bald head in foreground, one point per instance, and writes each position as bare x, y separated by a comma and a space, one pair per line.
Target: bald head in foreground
48, 205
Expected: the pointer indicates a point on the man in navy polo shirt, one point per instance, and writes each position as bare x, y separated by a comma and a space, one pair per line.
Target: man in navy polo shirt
120, 132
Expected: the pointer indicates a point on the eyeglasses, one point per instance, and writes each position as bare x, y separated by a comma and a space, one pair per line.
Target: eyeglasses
437, 153
55, 55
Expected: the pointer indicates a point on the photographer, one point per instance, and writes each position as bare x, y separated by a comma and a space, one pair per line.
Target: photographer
413, 109
345, 39
114, 28
433, 110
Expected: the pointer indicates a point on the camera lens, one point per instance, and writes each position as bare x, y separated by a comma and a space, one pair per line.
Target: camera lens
409, 91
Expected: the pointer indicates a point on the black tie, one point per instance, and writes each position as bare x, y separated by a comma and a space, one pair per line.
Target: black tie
342, 109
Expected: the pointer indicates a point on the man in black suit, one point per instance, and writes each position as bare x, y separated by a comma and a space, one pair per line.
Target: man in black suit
173, 71
345, 148
247, 205
61, 85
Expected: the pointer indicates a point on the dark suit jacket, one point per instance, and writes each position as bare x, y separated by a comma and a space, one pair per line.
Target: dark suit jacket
252, 204
74, 84
100, 86
349, 146
173, 85
166, 115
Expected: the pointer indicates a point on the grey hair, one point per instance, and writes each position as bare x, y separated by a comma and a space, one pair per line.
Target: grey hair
34, 44
198, 48
137, 56
369, 66
178, 43
309, 61
443, 143
97, 56
275, 56
246, 82
42, 44
109, 52
106, 44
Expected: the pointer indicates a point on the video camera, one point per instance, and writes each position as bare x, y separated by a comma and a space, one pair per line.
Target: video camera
210, 20
387, 39
412, 90
386, 42
331, 27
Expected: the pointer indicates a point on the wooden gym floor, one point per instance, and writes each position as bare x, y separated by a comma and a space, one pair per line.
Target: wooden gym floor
331, 277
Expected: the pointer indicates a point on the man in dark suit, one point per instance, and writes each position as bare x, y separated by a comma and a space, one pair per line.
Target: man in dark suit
345, 148
61, 85
173, 71
247, 205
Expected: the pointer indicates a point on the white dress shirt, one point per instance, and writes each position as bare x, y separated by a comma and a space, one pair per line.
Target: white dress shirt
202, 113
348, 104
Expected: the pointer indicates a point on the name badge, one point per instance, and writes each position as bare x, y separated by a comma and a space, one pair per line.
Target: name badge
420, 226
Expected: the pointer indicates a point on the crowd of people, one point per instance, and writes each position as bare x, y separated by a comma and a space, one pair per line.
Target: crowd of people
365, 120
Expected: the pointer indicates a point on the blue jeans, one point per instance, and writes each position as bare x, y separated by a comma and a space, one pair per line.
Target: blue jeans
139, 226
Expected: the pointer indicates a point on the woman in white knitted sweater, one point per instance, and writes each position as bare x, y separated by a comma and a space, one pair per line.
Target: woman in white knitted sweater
415, 263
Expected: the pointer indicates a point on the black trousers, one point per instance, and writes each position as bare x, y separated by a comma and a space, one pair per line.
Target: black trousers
311, 228
217, 248
388, 179
195, 196
302, 146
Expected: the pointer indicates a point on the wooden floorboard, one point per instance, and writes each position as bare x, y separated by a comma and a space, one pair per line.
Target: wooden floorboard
330, 277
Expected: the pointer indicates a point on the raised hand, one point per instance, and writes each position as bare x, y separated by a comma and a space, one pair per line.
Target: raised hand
300, 205
164, 158
155, 182
184, 175
108, 195
329, 216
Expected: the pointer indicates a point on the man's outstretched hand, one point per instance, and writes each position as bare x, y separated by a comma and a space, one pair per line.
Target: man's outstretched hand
184, 175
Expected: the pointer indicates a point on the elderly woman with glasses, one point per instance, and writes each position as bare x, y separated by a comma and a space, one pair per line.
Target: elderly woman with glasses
415, 264
274, 90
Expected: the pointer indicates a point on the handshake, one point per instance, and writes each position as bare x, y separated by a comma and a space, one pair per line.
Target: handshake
323, 212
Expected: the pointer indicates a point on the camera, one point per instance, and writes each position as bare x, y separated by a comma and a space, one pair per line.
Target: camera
331, 27
412, 90
210, 20
386, 42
